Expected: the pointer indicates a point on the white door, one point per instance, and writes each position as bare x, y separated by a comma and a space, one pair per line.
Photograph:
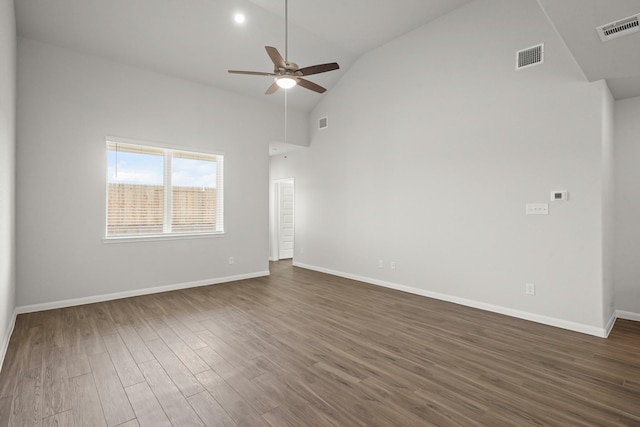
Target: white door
285, 219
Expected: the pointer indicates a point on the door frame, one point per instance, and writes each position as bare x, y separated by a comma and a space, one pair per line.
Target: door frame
275, 218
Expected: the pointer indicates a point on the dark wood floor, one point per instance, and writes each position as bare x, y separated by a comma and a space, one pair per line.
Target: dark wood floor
301, 348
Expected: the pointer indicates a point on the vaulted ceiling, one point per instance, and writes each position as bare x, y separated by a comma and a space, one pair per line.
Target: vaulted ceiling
198, 40
616, 61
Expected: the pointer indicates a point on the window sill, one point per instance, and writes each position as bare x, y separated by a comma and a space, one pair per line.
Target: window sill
157, 237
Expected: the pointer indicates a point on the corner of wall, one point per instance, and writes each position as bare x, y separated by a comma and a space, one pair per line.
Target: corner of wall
607, 203
626, 201
8, 61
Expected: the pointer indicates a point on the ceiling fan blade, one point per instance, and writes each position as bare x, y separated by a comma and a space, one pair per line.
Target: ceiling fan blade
251, 73
317, 69
275, 56
311, 86
272, 89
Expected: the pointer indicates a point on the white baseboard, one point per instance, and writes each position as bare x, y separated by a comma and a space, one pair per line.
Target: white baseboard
7, 337
628, 315
134, 293
610, 324
551, 321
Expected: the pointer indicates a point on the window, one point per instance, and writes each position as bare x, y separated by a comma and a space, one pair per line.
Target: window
157, 191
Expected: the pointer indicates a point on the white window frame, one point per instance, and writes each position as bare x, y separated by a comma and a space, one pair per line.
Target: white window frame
167, 234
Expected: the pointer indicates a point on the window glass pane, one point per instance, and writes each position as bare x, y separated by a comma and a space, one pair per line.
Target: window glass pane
154, 191
194, 193
135, 190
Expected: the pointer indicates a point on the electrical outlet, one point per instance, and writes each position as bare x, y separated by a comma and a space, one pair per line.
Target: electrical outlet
231, 260
393, 265
301, 250
530, 289
380, 263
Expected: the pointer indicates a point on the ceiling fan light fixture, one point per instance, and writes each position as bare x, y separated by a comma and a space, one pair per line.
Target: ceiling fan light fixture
286, 82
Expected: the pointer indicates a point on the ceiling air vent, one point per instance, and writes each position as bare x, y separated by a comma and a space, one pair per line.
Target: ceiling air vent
529, 57
323, 123
620, 28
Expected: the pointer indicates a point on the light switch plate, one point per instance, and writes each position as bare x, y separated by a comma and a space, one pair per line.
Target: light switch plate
537, 209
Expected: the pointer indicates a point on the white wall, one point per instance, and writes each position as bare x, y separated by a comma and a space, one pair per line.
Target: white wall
7, 170
434, 147
608, 205
627, 207
67, 103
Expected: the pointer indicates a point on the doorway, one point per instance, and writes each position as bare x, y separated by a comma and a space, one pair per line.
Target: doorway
284, 219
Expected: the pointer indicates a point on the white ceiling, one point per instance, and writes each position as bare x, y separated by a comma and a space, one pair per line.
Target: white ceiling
617, 61
199, 41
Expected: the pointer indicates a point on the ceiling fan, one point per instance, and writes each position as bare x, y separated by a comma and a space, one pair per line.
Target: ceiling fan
289, 74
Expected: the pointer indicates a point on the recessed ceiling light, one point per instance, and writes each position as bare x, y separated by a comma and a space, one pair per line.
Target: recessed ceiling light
239, 18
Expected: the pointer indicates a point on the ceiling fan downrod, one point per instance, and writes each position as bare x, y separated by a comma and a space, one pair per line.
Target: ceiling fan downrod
286, 31
288, 74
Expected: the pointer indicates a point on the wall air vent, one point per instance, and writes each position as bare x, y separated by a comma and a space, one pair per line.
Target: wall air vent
619, 28
323, 122
530, 56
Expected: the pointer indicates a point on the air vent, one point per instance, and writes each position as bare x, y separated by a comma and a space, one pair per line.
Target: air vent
530, 56
323, 123
620, 28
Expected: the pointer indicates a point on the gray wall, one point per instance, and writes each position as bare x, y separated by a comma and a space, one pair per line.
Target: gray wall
434, 147
627, 207
67, 103
7, 169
